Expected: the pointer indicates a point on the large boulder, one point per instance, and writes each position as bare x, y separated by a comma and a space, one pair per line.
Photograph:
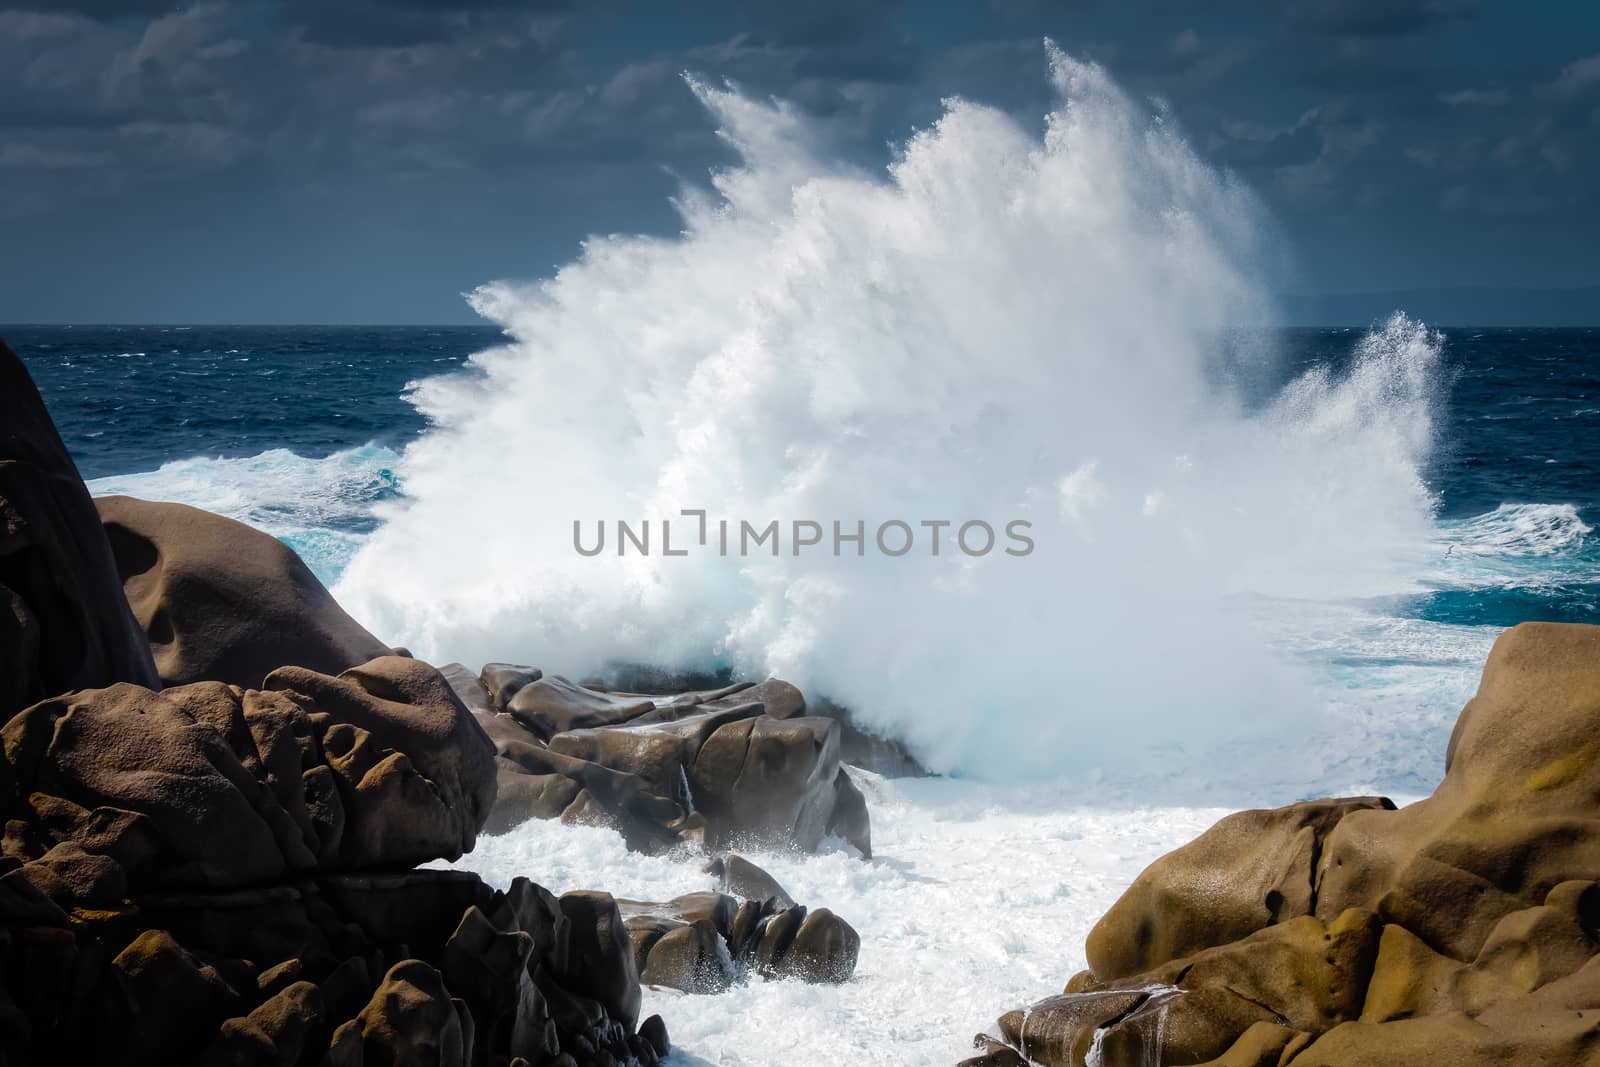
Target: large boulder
123, 790
1462, 929
222, 602
64, 624
1252, 869
706, 767
1516, 814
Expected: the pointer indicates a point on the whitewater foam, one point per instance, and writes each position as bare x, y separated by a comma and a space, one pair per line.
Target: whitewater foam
978, 902
320, 507
1002, 325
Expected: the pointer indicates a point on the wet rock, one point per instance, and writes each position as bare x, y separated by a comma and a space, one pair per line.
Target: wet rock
704, 942
824, 949
220, 601
654, 1031
64, 624
551, 706
741, 878
468, 689
711, 768
502, 681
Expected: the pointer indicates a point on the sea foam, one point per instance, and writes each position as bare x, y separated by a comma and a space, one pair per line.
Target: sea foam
1004, 325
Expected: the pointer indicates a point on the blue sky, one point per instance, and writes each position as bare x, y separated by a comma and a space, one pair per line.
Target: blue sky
369, 160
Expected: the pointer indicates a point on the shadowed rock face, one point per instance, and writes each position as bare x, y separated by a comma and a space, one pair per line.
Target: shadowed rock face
1463, 929
63, 625
222, 602
706, 767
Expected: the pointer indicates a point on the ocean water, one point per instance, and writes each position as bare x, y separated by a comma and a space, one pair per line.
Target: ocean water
1269, 562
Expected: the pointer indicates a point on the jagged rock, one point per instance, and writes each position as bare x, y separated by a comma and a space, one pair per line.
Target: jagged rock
419, 966
285, 1029
220, 601
654, 1031
64, 624
411, 1018
992, 1053
599, 962
860, 746
1462, 929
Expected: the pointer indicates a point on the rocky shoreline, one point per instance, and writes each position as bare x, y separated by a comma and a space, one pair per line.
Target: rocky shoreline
1463, 929
220, 791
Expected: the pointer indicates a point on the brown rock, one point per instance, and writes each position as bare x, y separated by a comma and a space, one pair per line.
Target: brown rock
1514, 816
824, 949
741, 878
206, 786
220, 601
469, 690
286, 1029
1463, 929
502, 681
420, 768
553, 705
62, 624
1250, 870
411, 1019
161, 1004
692, 957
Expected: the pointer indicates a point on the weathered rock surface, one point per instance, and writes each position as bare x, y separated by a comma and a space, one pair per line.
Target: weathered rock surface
1463, 929
706, 767
218, 875
704, 942
123, 790
63, 623
222, 602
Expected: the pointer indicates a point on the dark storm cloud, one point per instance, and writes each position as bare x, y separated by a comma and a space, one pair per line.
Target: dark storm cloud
99, 9
1378, 18
403, 23
427, 122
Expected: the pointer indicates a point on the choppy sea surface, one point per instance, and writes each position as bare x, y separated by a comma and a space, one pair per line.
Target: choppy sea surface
980, 891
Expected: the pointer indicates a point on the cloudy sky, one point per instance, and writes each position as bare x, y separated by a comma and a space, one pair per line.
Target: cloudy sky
369, 160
